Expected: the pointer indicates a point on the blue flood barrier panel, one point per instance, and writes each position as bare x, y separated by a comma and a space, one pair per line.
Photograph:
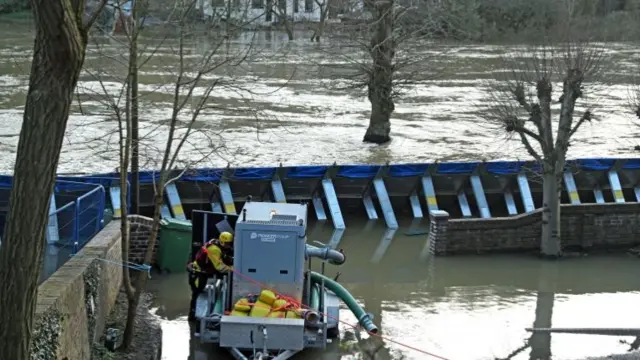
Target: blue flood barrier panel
260, 173
319, 207
369, 207
53, 233
216, 207
429, 193
595, 164
457, 168
385, 203
572, 189
503, 167
597, 193
306, 172
332, 201
414, 200
525, 193
406, 170
631, 164
464, 204
358, 171
616, 188
278, 191
227, 198
511, 204
174, 202
165, 213
386, 240
114, 193
481, 199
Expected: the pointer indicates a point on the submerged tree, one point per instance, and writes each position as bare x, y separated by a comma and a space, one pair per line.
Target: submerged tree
390, 40
525, 106
58, 55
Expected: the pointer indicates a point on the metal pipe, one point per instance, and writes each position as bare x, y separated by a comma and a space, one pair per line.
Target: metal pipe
335, 257
237, 354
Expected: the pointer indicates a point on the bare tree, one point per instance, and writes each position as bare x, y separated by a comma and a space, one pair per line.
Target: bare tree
58, 56
524, 105
280, 9
195, 80
392, 39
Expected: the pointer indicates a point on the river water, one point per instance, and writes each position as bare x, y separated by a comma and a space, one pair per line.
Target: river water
459, 308
285, 105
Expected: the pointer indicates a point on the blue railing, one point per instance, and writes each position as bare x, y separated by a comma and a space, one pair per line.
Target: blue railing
73, 224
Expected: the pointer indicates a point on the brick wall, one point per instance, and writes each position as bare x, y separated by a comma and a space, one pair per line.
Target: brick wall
587, 226
75, 301
139, 231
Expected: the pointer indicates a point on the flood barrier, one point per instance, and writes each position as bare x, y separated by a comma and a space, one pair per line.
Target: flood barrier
76, 214
463, 189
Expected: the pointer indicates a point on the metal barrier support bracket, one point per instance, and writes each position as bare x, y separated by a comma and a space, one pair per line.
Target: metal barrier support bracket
616, 188
478, 192
429, 189
174, 201
597, 193
114, 194
276, 186
572, 189
332, 198
525, 192
383, 198
225, 191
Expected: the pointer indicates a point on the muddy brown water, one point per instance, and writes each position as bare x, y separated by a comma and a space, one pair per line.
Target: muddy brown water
459, 308
463, 307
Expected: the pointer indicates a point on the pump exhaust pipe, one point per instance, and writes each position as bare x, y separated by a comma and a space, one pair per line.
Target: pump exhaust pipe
335, 257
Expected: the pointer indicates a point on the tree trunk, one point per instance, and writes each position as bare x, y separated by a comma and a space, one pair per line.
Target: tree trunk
133, 66
58, 56
551, 245
381, 77
129, 330
319, 31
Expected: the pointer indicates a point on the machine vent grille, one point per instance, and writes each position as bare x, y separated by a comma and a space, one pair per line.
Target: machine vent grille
273, 222
284, 217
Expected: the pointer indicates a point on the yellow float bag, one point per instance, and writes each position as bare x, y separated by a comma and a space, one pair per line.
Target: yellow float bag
279, 304
242, 305
260, 309
267, 297
278, 314
239, 313
292, 314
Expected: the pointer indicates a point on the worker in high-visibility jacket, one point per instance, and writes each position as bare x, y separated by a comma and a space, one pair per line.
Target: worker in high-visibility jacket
214, 258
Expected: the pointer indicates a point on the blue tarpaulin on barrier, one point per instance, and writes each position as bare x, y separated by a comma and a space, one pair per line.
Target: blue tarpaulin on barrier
503, 167
254, 173
457, 168
6, 181
407, 170
203, 175
595, 164
305, 172
358, 171
632, 164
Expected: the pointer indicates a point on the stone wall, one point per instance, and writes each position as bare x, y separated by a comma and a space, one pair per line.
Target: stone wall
75, 301
585, 226
139, 231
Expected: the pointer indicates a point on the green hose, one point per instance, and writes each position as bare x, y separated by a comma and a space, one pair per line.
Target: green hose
363, 318
314, 300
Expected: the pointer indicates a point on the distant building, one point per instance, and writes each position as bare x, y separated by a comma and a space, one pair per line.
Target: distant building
261, 12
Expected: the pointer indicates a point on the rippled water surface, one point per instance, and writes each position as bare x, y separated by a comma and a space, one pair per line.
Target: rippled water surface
287, 104
459, 308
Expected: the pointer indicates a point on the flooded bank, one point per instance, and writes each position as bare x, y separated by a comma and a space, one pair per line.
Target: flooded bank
464, 307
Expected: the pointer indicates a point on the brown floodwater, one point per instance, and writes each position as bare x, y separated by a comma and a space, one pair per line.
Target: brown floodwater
463, 307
